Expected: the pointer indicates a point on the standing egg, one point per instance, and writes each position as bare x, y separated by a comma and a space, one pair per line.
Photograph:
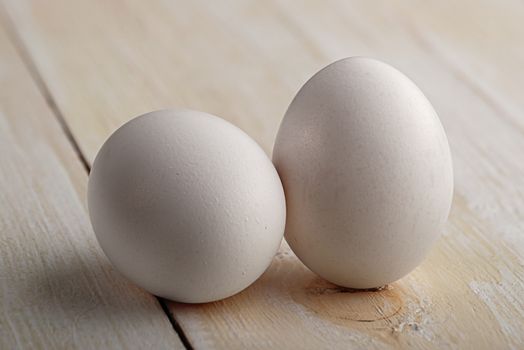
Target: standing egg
186, 205
367, 173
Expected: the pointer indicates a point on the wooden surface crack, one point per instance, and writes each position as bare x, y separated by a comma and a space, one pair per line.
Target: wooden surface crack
32, 69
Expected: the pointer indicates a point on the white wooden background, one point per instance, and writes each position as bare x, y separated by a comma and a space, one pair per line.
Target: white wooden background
72, 71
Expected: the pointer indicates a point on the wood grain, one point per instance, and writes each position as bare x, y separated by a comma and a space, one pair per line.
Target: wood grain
105, 62
57, 290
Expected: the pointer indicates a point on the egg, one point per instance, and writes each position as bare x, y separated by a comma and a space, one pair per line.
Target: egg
367, 173
186, 205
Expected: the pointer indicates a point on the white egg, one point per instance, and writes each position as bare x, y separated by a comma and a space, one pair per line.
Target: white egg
367, 173
186, 205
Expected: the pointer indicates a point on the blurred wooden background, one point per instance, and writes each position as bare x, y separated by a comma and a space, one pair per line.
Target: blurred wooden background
71, 72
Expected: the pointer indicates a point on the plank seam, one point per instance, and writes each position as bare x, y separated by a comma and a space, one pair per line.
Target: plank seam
175, 324
42, 87
426, 43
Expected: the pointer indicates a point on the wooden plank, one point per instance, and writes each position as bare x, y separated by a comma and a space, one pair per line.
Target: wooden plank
106, 62
57, 290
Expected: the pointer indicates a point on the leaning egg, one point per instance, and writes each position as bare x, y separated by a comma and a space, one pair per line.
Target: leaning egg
367, 173
186, 205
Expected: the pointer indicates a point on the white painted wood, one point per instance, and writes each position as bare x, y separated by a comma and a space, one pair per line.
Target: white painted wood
105, 62
57, 289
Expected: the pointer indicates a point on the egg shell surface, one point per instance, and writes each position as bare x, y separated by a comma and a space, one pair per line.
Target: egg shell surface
367, 173
186, 205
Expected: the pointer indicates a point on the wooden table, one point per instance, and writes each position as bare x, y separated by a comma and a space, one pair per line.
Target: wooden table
71, 72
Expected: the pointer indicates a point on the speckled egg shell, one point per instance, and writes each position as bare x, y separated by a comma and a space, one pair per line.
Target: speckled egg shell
186, 205
367, 173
